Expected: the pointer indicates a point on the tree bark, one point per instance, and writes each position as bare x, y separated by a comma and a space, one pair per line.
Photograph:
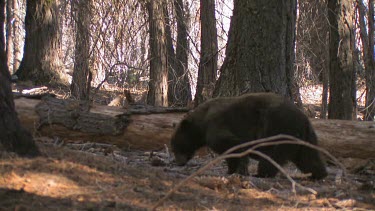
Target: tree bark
209, 53
171, 57
325, 81
82, 76
41, 61
9, 31
368, 56
260, 51
158, 86
290, 41
325, 67
16, 37
370, 73
13, 137
151, 128
341, 99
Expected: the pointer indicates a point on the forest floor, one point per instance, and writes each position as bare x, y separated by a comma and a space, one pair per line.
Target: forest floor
100, 177
90, 176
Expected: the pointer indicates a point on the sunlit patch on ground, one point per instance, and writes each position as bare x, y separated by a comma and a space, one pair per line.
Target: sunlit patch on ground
42, 184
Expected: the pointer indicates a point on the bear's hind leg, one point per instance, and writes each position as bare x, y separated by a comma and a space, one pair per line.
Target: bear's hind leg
278, 154
266, 169
309, 161
238, 165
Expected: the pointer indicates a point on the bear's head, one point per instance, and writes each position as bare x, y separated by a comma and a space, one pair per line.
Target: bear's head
186, 139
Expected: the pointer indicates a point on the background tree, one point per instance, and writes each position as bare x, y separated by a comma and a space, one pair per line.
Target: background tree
120, 56
41, 61
16, 36
180, 81
13, 136
9, 31
207, 70
171, 55
81, 82
260, 52
368, 54
158, 86
370, 72
119, 43
341, 46
312, 52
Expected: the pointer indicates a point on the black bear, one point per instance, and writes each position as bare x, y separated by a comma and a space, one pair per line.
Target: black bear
222, 123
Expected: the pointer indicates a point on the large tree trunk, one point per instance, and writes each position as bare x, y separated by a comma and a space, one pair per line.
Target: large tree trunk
13, 137
82, 76
151, 128
341, 42
260, 51
209, 53
41, 61
158, 86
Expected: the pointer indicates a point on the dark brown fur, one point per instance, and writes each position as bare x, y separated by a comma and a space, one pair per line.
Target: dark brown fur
222, 123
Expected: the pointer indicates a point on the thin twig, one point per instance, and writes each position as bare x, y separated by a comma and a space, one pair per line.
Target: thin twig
265, 142
269, 141
233, 155
251, 151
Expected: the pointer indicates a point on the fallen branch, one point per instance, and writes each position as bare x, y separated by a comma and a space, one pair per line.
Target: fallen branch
84, 146
233, 155
33, 93
269, 141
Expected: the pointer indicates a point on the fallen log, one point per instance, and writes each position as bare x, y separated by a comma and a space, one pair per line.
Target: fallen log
138, 128
344, 138
150, 128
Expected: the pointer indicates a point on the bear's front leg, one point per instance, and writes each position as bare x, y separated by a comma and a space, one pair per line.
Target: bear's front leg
238, 165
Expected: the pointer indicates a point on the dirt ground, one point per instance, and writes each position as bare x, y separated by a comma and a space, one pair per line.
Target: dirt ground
84, 176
